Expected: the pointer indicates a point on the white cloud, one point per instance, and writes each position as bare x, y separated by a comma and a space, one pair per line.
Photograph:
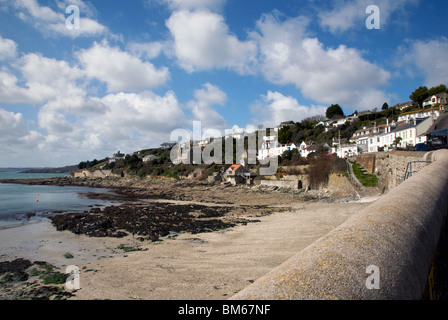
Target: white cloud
10, 92
120, 70
55, 123
51, 79
75, 123
325, 75
346, 15
276, 108
8, 49
149, 50
145, 112
52, 22
132, 120
430, 59
43, 78
14, 134
203, 107
128, 122
192, 4
202, 41
52, 76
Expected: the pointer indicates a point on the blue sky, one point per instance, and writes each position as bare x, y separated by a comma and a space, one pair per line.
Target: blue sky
137, 70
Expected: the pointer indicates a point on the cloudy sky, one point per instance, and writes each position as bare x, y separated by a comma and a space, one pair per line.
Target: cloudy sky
136, 70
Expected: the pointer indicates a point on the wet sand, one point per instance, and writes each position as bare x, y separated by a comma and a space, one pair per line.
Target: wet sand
41, 242
212, 265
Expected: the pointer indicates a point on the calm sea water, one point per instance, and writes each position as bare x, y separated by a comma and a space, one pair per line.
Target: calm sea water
16, 201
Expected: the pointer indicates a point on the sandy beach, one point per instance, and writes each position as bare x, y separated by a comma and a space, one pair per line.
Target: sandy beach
211, 265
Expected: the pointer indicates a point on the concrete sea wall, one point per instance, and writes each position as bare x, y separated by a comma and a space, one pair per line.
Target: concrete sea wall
290, 184
385, 252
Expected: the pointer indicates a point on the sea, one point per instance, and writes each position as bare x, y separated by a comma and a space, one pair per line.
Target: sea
20, 204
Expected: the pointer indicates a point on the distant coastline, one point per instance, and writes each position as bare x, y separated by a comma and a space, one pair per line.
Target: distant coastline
66, 169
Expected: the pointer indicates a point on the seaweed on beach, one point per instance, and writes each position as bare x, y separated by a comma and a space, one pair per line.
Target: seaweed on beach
22, 279
151, 221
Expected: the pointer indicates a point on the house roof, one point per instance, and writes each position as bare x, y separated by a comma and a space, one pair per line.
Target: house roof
420, 111
364, 113
441, 123
439, 95
314, 147
403, 104
234, 167
403, 127
411, 124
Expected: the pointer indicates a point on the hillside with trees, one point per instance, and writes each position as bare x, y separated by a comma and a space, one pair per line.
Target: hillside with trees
309, 130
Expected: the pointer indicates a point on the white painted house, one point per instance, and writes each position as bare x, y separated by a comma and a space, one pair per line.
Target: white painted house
441, 98
421, 114
404, 105
411, 132
304, 148
362, 138
269, 147
343, 149
383, 137
117, 157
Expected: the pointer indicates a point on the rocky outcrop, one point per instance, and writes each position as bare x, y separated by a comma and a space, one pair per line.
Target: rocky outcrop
149, 221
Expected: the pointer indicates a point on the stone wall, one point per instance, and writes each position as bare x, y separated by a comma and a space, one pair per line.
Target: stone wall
339, 185
292, 181
385, 252
390, 168
289, 184
95, 174
367, 161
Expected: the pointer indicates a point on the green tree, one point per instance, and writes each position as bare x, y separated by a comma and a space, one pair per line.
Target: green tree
419, 95
437, 90
284, 135
132, 162
334, 110
397, 141
385, 106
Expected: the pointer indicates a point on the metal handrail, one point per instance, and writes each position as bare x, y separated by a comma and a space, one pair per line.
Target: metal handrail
409, 171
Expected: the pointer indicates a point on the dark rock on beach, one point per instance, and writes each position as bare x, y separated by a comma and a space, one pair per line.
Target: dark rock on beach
15, 269
138, 216
151, 221
22, 279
